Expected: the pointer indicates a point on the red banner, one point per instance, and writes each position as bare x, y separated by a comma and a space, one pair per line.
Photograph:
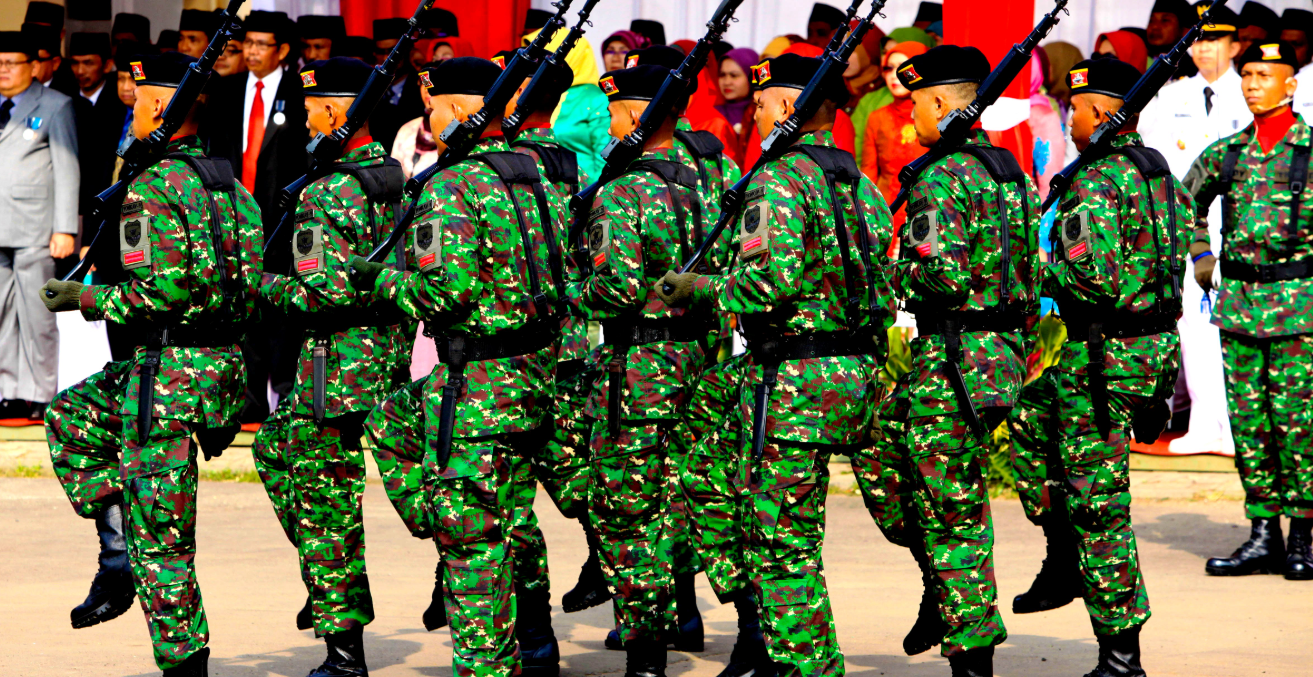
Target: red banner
489, 25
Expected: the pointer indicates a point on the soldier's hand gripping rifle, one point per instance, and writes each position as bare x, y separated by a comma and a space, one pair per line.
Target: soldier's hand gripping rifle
1162, 70
620, 153
532, 95
140, 154
786, 133
325, 149
461, 137
956, 126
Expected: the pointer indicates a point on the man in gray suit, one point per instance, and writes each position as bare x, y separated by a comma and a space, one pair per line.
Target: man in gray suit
38, 223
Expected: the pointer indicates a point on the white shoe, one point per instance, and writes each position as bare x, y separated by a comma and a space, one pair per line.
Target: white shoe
1196, 444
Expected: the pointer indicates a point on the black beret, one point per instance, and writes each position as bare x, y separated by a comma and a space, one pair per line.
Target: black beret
161, 70
557, 80
1109, 77
929, 12
827, 14
129, 51
440, 23
639, 83
276, 23
389, 29
45, 37
81, 44
1223, 21
461, 75
1185, 14
197, 20
795, 72
654, 31
1258, 14
660, 55
944, 65
535, 19
47, 13
135, 24
338, 76
18, 42
1268, 52
1297, 20
312, 26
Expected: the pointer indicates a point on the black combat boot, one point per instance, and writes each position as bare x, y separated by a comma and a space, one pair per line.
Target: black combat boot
929, 628
1059, 579
973, 663
1299, 555
304, 618
749, 658
346, 655
591, 589
645, 657
1263, 553
688, 635
436, 615
540, 655
1119, 655
111, 590
195, 665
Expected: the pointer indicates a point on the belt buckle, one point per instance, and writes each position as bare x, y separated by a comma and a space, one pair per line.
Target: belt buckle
1267, 274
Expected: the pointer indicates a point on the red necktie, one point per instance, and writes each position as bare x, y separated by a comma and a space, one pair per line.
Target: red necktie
254, 137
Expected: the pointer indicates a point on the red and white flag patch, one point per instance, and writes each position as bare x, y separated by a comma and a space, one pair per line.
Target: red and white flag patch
1078, 250
133, 257
427, 260
307, 265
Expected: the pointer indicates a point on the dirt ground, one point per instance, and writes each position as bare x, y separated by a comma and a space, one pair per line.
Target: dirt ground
1202, 627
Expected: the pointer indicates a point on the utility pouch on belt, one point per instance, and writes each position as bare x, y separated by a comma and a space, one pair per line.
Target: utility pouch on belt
319, 362
455, 361
1098, 380
953, 357
150, 368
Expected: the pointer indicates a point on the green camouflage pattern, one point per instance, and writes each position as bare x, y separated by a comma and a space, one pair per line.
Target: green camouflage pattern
172, 277
714, 177
1257, 230
1034, 434
562, 464
884, 478
1269, 385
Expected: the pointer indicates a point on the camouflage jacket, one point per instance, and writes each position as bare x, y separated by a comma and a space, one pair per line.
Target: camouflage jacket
633, 238
574, 330
334, 221
468, 276
1257, 231
173, 279
714, 177
789, 273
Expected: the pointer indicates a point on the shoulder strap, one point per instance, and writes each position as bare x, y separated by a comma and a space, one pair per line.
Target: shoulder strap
216, 173
560, 165
1004, 169
216, 176
999, 162
704, 145
1152, 165
677, 174
517, 168
1298, 181
1147, 160
670, 172
382, 184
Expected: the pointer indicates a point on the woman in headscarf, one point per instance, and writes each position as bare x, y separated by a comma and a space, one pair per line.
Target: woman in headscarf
1061, 57
1124, 45
701, 112
1046, 125
889, 140
619, 44
736, 89
779, 43
451, 47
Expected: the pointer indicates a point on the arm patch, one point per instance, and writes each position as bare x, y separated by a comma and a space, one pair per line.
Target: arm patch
426, 246
134, 238
923, 234
599, 238
1076, 235
754, 230
308, 247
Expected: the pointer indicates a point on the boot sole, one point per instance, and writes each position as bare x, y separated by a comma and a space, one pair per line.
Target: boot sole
588, 601
1043, 607
540, 670
1260, 571
111, 609
1299, 577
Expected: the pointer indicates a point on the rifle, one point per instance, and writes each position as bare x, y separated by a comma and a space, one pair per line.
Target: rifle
620, 153
956, 126
461, 137
325, 149
140, 154
532, 95
1162, 70
787, 133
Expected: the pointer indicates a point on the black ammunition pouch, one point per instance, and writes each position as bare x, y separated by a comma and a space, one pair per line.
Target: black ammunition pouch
560, 165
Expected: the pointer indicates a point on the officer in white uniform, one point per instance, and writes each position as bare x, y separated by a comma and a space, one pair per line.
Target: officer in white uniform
1181, 122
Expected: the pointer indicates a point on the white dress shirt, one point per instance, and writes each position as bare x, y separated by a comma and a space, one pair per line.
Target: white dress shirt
268, 94
1304, 93
94, 96
1177, 122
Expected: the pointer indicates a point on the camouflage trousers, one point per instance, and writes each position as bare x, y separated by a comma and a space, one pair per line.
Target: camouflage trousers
1034, 431
884, 478
315, 477
88, 425
471, 509
1269, 388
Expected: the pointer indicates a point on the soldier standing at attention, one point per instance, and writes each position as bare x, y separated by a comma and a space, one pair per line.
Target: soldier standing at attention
308, 453
967, 253
1267, 331
483, 270
1119, 239
814, 307
189, 248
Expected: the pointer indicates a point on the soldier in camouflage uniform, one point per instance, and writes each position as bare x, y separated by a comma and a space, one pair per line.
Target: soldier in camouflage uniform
189, 252
1119, 240
309, 457
486, 272
814, 302
965, 271
1263, 311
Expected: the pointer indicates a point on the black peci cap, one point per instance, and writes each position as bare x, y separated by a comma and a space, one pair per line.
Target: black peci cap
82, 44
1297, 20
639, 83
795, 72
1223, 21
1185, 14
1109, 77
827, 14
47, 13
654, 31
19, 42
929, 12
1264, 51
135, 24
45, 37
944, 65
161, 70
276, 23
535, 19
461, 75
440, 23
1258, 14
314, 26
338, 76
389, 29
197, 20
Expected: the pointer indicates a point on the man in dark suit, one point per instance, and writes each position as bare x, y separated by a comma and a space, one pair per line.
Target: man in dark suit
100, 113
256, 120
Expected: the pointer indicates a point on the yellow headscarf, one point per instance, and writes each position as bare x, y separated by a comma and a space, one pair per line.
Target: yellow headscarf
580, 58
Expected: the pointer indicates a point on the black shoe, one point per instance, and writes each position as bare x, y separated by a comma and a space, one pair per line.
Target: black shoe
749, 657
613, 641
1119, 655
195, 665
1263, 553
973, 663
36, 411
688, 633
540, 654
304, 619
346, 655
1059, 578
13, 409
111, 590
645, 658
1299, 555
929, 628
591, 589
436, 615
